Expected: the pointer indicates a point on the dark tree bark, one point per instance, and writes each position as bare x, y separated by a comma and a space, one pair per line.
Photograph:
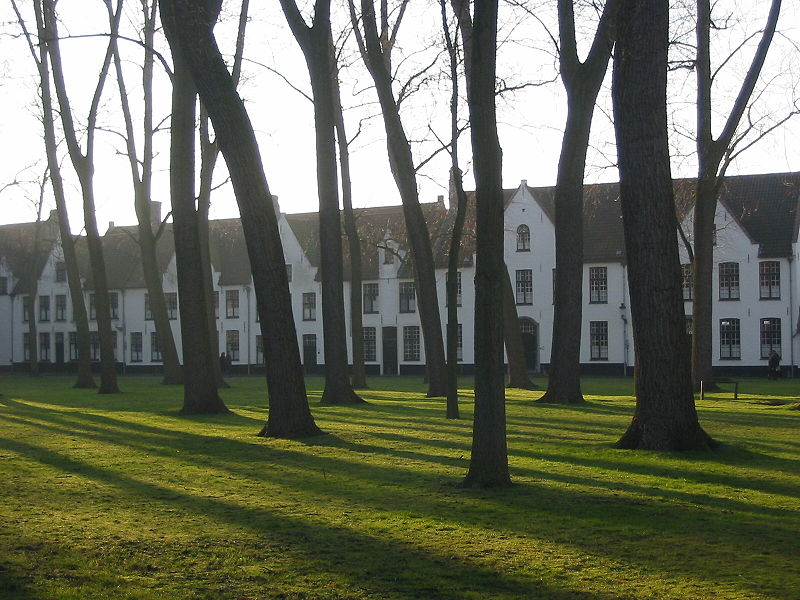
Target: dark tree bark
141, 177
33, 291
84, 379
376, 52
665, 417
359, 377
582, 81
515, 349
713, 158
317, 45
190, 25
84, 168
489, 459
200, 395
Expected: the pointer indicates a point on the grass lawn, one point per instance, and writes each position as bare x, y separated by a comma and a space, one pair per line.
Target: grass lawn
121, 497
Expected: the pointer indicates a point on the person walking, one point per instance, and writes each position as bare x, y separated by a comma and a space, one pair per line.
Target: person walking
223, 363
774, 365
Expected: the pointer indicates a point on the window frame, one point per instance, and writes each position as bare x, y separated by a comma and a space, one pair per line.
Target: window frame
232, 344
598, 285
523, 238
598, 340
524, 287
407, 297
44, 309
370, 300
309, 306
769, 326
370, 344
44, 346
155, 348
411, 343
687, 287
171, 301
769, 278
232, 304
137, 347
60, 313
728, 275
730, 332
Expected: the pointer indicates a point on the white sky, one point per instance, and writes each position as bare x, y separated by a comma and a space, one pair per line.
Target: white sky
531, 120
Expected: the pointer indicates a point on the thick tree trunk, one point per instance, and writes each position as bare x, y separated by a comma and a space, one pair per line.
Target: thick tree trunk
489, 458
702, 269
200, 395
189, 26
402, 167
665, 417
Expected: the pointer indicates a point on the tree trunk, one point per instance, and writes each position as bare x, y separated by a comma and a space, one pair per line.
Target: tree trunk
489, 458
189, 26
33, 292
404, 172
84, 168
665, 417
200, 395
515, 350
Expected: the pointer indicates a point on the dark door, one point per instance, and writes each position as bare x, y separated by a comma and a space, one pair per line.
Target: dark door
390, 350
59, 348
530, 342
310, 352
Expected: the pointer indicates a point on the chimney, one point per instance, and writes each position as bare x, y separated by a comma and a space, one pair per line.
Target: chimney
524, 183
155, 214
276, 205
53, 215
110, 226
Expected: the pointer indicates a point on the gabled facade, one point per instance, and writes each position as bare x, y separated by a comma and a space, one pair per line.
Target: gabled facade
755, 305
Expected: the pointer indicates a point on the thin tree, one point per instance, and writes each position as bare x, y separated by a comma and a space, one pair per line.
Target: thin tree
665, 417
34, 272
142, 177
489, 458
189, 26
582, 81
316, 42
83, 163
41, 58
714, 156
376, 51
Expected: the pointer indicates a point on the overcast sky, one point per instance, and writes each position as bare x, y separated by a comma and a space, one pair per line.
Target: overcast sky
531, 119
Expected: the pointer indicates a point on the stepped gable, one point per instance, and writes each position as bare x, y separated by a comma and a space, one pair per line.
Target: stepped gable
16, 248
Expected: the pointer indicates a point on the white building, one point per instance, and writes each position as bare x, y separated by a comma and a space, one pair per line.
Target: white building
755, 309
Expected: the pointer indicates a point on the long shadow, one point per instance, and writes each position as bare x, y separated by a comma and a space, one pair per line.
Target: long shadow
311, 541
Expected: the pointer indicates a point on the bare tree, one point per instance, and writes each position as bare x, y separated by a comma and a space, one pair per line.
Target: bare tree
83, 164
189, 25
714, 157
41, 58
376, 50
582, 81
316, 42
141, 176
489, 458
665, 417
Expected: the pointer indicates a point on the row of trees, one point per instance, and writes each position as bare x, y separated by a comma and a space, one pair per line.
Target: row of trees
665, 416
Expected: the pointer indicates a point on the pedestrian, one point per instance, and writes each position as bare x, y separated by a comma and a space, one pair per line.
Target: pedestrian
228, 363
774, 365
223, 363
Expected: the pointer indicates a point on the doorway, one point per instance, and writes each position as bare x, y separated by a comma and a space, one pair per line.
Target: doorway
310, 352
530, 342
390, 350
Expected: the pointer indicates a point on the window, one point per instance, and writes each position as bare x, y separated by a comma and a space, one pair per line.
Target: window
408, 297
3, 286
26, 346
458, 288
769, 280
770, 336
232, 304
729, 281
388, 255
44, 308
26, 308
61, 272
729, 339
686, 281
524, 286
73, 345
309, 306
460, 345
411, 342
598, 340
148, 314
94, 345
689, 325
289, 273
155, 351
370, 298
171, 299
523, 238
92, 307
61, 307
113, 304
232, 344
598, 285
44, 345
260, 349
370, 344
216, 305
136, 346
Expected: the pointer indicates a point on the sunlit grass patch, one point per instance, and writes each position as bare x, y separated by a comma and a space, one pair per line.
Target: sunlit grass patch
123, 497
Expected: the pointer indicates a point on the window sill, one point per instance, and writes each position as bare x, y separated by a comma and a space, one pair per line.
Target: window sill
730, 358
768, 299
598, 301
729, 299
599, 359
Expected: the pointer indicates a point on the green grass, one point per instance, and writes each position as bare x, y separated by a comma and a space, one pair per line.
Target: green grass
121, 497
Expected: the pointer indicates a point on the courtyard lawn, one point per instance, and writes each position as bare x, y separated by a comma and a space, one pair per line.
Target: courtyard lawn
120, 497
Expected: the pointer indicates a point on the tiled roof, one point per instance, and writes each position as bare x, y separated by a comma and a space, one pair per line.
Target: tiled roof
16, 248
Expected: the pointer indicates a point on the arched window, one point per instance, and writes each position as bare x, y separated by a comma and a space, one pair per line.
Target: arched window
523, 238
